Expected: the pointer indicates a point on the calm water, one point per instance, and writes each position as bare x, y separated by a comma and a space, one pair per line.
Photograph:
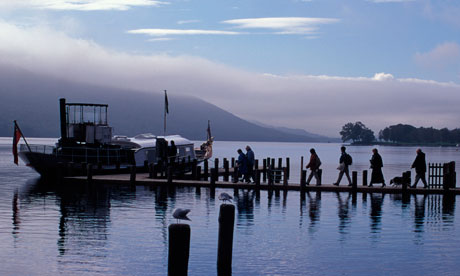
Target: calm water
110, 230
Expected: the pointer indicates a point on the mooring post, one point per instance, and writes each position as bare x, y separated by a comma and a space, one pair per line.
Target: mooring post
303, 179
170, 174
179, 249
216, 166
364, 177
285, 176
206, 170
233, 162
212, 178
194, 165
354, 182
226, 170
132, 176
264, 170
257, 177
256, 165
89, 173
288, 166
235, 175
271, 174
225, 243
406, 181
151, 170
198, 172
320, 176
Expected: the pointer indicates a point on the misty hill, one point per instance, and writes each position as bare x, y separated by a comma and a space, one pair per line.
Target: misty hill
32, 100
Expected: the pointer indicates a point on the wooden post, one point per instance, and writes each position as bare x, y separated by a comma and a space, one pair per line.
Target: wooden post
257, 176
271, 174
233, 162
303, 179
194, 165
213, 179
288, 166
235, 175
151, 170
364, 177
225, 243
216, 166
320, 176
206, 170
146, 165
285, 176
132, 176
226, 169
354, 183
170, 174
89, 173
264, 170
179, 249
280, 163
406, 181
198, 172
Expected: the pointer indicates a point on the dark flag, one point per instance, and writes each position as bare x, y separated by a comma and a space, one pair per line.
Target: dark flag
16, 137
166, 103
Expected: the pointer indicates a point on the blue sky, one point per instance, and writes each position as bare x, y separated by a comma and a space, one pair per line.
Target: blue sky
315, 49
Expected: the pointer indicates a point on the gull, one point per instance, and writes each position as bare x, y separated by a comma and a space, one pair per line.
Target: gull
181, 214
224, 197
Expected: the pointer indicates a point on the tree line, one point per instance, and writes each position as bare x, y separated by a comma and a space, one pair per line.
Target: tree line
400, 133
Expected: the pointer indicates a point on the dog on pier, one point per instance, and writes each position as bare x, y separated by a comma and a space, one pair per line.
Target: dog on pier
397, 181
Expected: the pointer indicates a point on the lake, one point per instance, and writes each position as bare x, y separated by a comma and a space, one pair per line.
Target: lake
116, 230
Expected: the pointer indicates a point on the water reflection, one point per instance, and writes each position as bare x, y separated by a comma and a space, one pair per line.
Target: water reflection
16, 219
343, 212
376, 212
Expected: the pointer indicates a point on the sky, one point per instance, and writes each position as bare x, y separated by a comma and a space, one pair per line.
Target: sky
308, 64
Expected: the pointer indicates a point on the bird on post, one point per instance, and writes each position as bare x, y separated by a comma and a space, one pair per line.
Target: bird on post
224, 197
181, 214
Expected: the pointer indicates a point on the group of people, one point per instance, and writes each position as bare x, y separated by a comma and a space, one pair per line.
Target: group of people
376, 164
245, 165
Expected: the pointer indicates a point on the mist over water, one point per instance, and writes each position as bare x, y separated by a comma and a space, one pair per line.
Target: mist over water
114, 230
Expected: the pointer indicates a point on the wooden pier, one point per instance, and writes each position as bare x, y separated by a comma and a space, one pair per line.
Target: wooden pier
267, 177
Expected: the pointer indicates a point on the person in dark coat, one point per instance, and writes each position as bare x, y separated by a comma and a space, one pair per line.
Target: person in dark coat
313, 165
172, 153
420, 168
344, 162
251, 161
376, 166
242, 164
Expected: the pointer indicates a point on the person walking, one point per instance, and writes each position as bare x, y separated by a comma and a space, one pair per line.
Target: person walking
242, 165
420, 168
376, 166
313, 165
344, 162
251, 160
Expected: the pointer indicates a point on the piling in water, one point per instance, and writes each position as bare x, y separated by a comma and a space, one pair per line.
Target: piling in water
225, 243
179, 249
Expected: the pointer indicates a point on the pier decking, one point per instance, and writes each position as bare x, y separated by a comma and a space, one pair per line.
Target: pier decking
142, 179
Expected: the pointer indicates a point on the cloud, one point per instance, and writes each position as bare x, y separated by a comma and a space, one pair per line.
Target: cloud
80, 5
383, 77
321, 104
164, 32
187, 21
441, 57
284, 25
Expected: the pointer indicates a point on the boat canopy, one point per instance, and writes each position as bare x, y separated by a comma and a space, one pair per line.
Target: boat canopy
148, 140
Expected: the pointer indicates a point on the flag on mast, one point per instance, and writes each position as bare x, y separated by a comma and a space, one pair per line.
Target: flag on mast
166, 103
16, 137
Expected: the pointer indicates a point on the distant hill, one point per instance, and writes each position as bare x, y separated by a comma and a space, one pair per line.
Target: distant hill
32, 100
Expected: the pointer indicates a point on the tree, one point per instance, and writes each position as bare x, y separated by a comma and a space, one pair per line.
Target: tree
357, 132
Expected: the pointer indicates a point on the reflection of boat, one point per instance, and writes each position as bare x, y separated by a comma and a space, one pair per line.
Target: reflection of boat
86, 138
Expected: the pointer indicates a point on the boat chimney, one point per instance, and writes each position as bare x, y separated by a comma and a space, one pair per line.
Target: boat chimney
63, 119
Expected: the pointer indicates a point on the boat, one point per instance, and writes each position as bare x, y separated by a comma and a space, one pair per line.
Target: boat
86, 138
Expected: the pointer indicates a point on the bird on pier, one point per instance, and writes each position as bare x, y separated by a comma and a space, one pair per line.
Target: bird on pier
224, 197
181, 214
